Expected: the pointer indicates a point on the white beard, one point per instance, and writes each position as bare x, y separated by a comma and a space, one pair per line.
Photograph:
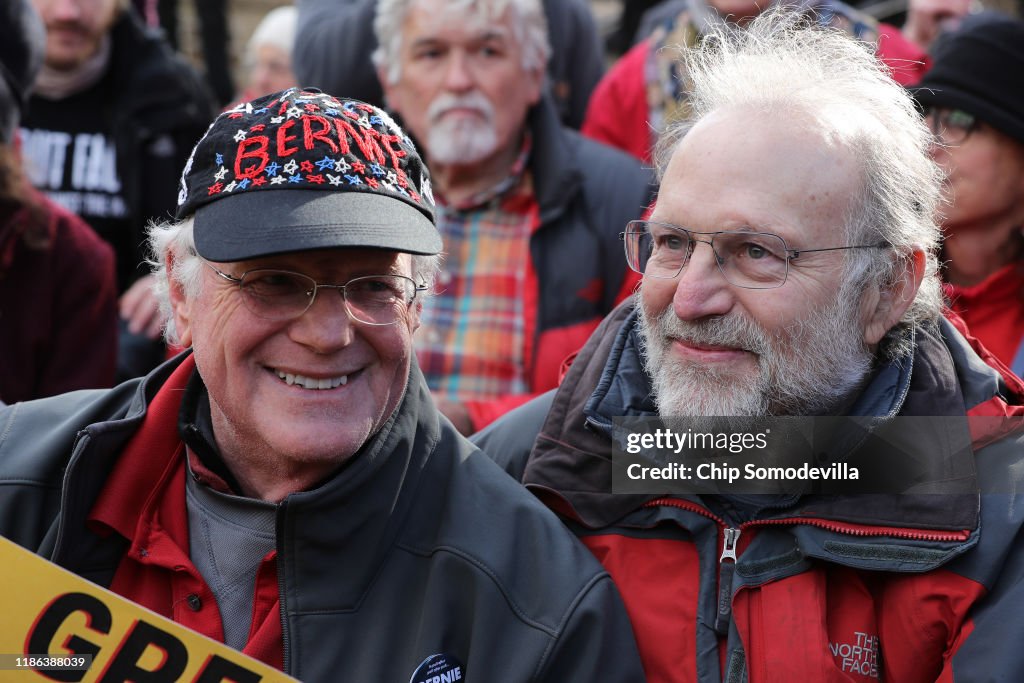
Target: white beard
461, 139
807, 369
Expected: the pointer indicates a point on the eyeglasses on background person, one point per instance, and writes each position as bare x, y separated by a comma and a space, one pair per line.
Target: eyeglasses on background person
284, 295
752, 260
950, 126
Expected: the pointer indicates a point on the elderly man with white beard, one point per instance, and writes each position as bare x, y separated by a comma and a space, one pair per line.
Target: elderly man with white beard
529, 210
789, 273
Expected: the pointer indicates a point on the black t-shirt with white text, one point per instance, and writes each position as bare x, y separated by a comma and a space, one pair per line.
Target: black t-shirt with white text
69, 154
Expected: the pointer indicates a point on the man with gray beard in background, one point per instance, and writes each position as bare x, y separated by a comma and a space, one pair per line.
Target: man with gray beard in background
529, 211
789, 272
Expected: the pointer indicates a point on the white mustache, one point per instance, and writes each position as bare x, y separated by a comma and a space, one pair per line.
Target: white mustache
446, 102
733, 331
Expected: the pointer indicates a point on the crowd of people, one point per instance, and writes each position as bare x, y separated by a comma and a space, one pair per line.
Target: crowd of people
364, 339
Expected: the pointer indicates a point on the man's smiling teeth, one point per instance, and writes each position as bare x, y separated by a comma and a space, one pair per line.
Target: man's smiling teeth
311, 383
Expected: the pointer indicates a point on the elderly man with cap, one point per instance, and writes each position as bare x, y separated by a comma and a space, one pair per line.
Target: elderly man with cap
973, 99
287, 486
58, 295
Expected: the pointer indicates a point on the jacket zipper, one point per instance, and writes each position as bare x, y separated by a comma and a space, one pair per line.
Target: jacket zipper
858, 530
82, 439
726, 562
726, 569
732, 537
282, 605
828, 525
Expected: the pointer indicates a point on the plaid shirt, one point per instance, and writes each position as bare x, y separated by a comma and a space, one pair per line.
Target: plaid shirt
472, 340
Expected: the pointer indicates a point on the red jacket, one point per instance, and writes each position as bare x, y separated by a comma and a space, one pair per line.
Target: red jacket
994, 311
619, 114
58, 304
842, 587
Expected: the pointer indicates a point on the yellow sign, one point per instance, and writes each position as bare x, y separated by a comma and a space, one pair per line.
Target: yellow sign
57, 626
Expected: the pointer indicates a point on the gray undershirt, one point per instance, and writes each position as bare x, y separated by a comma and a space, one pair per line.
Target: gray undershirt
228, 538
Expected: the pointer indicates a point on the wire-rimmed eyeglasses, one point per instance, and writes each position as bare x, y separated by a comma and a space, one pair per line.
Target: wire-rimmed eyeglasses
284, 295
752, 260
950, 126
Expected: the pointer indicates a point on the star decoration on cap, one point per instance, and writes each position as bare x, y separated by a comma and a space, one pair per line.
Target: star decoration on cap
288, 141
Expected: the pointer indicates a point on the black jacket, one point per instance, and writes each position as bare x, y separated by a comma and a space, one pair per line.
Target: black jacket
160, 110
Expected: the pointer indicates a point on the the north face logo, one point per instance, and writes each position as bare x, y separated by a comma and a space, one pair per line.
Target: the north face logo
858, 657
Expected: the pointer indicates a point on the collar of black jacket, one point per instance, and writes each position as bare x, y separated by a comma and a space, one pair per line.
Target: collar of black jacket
195, 425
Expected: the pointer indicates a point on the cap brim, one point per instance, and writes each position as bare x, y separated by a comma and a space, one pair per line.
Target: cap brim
268, 222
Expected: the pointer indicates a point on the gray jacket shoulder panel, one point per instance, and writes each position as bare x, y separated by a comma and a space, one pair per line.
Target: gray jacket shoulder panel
508, 441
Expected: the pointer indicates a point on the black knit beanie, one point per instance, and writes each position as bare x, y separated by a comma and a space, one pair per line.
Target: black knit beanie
979, 68
21, 55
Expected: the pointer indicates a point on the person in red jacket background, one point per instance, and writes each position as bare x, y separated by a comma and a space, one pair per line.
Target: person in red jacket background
974, 101
645, 91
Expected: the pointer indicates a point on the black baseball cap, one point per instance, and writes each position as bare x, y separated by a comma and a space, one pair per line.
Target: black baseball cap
300, 169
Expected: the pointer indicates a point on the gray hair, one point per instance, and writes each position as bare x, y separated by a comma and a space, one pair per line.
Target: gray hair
177, 239
276, 28
529, 26
783, 64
